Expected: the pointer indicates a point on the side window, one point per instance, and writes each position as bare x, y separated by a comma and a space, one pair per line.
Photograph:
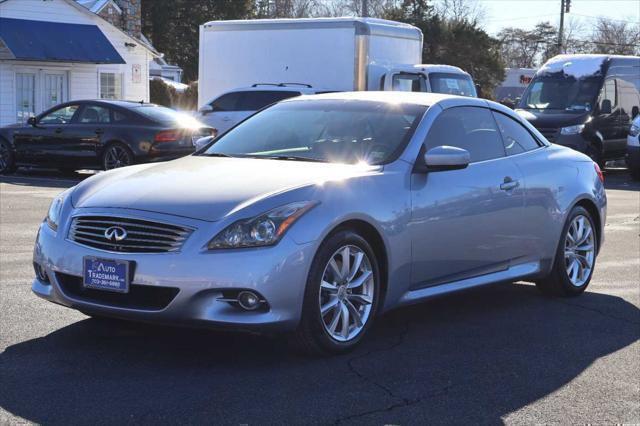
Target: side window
94, 114
608, 96
515, 136
59, 116
469, 128
629, 100
118, 116
254, 101
409, 82
226, 102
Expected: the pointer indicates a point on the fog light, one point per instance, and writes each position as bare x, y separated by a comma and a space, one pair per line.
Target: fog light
41, 273
248, 300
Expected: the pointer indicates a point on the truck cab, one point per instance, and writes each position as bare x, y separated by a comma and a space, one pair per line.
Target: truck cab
428, 78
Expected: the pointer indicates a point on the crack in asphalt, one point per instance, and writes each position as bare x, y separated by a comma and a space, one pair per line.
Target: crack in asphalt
404, 402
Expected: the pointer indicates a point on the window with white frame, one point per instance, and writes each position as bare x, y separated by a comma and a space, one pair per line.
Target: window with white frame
110, 85
25, 96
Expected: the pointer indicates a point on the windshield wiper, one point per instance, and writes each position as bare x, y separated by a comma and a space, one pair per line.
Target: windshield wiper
291, 158
215, 154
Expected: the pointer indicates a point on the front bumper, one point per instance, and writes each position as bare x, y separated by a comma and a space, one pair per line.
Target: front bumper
199, 277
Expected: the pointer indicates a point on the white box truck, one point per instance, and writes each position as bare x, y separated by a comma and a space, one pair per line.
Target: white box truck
307, 56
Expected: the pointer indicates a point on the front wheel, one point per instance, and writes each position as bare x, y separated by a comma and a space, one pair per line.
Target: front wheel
575, 257
115, 156
7, 159
341, 296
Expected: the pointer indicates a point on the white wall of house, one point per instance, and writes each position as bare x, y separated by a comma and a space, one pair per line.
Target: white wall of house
81, 81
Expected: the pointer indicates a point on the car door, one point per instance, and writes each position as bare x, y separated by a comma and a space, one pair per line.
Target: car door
465, 222
84, 134
606, 121
223, 112
41, 143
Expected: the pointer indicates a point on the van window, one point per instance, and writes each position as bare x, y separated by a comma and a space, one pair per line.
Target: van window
470, 128
226, 102
629, 100
558, 92
255, 100
608, 98
452, 84
515, 136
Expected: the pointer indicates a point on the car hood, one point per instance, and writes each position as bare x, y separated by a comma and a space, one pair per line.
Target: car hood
552, 119
204, 188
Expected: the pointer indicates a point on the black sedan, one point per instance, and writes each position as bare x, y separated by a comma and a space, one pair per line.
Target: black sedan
100, 134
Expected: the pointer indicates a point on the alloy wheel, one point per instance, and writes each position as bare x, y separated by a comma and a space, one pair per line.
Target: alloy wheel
346, 293
579, 250
116, 156
4, 156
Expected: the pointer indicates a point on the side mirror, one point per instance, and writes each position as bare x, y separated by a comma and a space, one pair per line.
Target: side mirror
605, 106
32, 121
202, 142
205, 109
446, 158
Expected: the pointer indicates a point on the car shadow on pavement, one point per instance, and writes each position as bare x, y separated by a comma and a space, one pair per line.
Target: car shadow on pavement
620, 179
472, 357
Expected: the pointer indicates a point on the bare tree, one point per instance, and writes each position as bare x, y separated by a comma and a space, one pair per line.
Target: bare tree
616, 37
461, 10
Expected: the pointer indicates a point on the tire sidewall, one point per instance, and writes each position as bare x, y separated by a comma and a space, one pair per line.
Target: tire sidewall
311, 318
560, 269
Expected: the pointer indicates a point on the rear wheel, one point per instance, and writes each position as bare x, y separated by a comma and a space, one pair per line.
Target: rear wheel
575, 258
115, 156
7, 158
341, 296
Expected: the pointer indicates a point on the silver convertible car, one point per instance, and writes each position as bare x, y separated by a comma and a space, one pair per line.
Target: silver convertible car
319, 213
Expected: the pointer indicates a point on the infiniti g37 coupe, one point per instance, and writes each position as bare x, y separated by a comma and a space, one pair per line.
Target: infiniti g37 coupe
99, 134
319, 213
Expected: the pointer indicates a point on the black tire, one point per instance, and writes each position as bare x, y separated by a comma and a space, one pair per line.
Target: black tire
124, 156
311, 336
7, 158
558, 283
595, 153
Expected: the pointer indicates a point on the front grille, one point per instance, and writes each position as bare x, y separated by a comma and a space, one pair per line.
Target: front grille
549, 134
142, 236
139, 297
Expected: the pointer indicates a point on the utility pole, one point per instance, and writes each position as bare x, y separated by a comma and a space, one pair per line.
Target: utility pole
565, 7
365, 8
561, 29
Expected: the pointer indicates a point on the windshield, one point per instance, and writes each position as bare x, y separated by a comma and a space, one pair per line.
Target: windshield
561, 92
452, 84
337, 131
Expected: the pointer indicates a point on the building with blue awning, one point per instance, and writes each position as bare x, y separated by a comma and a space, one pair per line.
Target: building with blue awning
58, 50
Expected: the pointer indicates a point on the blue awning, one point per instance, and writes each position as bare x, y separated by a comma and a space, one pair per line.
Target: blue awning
52, 41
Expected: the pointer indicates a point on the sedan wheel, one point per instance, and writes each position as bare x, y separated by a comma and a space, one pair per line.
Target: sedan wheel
346, 293
575, 258
579, 250
341, 295
116, 156
7, 164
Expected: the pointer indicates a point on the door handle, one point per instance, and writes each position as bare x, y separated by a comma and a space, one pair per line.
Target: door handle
99, 131
509, 184
58, 130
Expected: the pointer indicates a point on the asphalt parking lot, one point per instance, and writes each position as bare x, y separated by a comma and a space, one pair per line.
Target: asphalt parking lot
499, 354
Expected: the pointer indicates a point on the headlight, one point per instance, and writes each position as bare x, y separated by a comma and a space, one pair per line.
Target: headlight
53, 215
634, 130
264, 230
572, 130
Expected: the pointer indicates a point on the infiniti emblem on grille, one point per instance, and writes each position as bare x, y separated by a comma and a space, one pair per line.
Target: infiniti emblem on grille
115, 233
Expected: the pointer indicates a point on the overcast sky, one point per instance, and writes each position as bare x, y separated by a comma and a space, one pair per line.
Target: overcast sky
526, 13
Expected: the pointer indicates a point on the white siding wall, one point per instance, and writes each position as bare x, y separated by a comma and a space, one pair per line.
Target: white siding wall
83, 78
